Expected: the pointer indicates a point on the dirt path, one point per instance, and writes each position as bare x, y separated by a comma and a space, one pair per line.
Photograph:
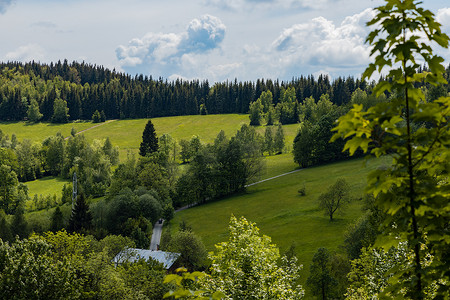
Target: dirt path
95, 126
267, 179
157, 230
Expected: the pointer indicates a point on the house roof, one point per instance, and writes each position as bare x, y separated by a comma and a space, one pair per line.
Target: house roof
134, 254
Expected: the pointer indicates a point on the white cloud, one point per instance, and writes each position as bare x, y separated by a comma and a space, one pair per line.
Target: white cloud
26, 53
322, 44
172, 52
4, 5
443, 17
269, 4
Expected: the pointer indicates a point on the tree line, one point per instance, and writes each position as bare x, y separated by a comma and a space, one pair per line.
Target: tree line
88, 88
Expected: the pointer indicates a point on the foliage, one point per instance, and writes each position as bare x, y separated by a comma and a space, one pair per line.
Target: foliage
28, 271
287, 108
60, 112
311, 145
256, 112
87, 88
149, 142
278, 141
96, 117
268, 140
81, 217
57, 220
53, 149
413, 191
222, 169
33, 113
193, 252
186, 286
374, 273
247, 267
19, 226
302, 190
320, 281
203, 111
335, 198
28, 159
8, 188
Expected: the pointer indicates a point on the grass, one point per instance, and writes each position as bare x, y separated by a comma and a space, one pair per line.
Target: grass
46, 186
38, 132
281, 213
278, 164
127, 134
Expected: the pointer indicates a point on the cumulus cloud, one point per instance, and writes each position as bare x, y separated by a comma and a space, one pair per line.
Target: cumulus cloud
170, 51
44, 24
26, 53
322, 44
443, 17
4, 5
264, 4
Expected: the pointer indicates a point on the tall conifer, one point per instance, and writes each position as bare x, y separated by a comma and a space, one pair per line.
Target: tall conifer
81, 218
149, 140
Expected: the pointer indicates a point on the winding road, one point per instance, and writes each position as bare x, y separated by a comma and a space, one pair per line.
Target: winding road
157, 229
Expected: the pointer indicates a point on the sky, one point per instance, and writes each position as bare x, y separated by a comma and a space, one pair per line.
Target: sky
216, 40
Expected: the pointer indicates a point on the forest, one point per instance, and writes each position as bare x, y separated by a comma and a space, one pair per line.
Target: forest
88, 88
398, 248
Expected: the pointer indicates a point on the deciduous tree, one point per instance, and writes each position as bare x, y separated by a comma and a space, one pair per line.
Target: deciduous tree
413, 190
247, 266
33, 113
336, 197
60, 111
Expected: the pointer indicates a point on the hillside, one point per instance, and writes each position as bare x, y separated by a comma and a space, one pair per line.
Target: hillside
127, 134
281, 213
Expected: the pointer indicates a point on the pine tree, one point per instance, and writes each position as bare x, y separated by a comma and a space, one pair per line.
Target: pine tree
81, 218
19, 226
149, 140
57, 220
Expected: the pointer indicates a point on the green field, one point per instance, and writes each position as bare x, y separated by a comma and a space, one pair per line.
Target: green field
46, 186
127, 134
281, 213
38, 132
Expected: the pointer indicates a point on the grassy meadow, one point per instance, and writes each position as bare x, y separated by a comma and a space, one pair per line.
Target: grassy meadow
281, 213
38, 132
274, 205
127, 134
46, 186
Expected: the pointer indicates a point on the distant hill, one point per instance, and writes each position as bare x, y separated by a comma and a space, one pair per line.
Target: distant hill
87, 88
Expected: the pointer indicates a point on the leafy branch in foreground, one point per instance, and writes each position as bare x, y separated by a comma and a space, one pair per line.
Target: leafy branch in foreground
414, 190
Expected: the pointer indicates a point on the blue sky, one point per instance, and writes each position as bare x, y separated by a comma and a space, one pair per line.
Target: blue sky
206, 39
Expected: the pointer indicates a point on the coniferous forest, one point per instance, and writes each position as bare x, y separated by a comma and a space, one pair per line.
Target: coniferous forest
398, 247
88, 88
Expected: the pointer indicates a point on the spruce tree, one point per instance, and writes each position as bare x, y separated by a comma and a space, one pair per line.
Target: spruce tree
57, 220
149, 140
19, 226
81, 218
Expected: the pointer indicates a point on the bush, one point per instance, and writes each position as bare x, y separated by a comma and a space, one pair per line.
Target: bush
302, 191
